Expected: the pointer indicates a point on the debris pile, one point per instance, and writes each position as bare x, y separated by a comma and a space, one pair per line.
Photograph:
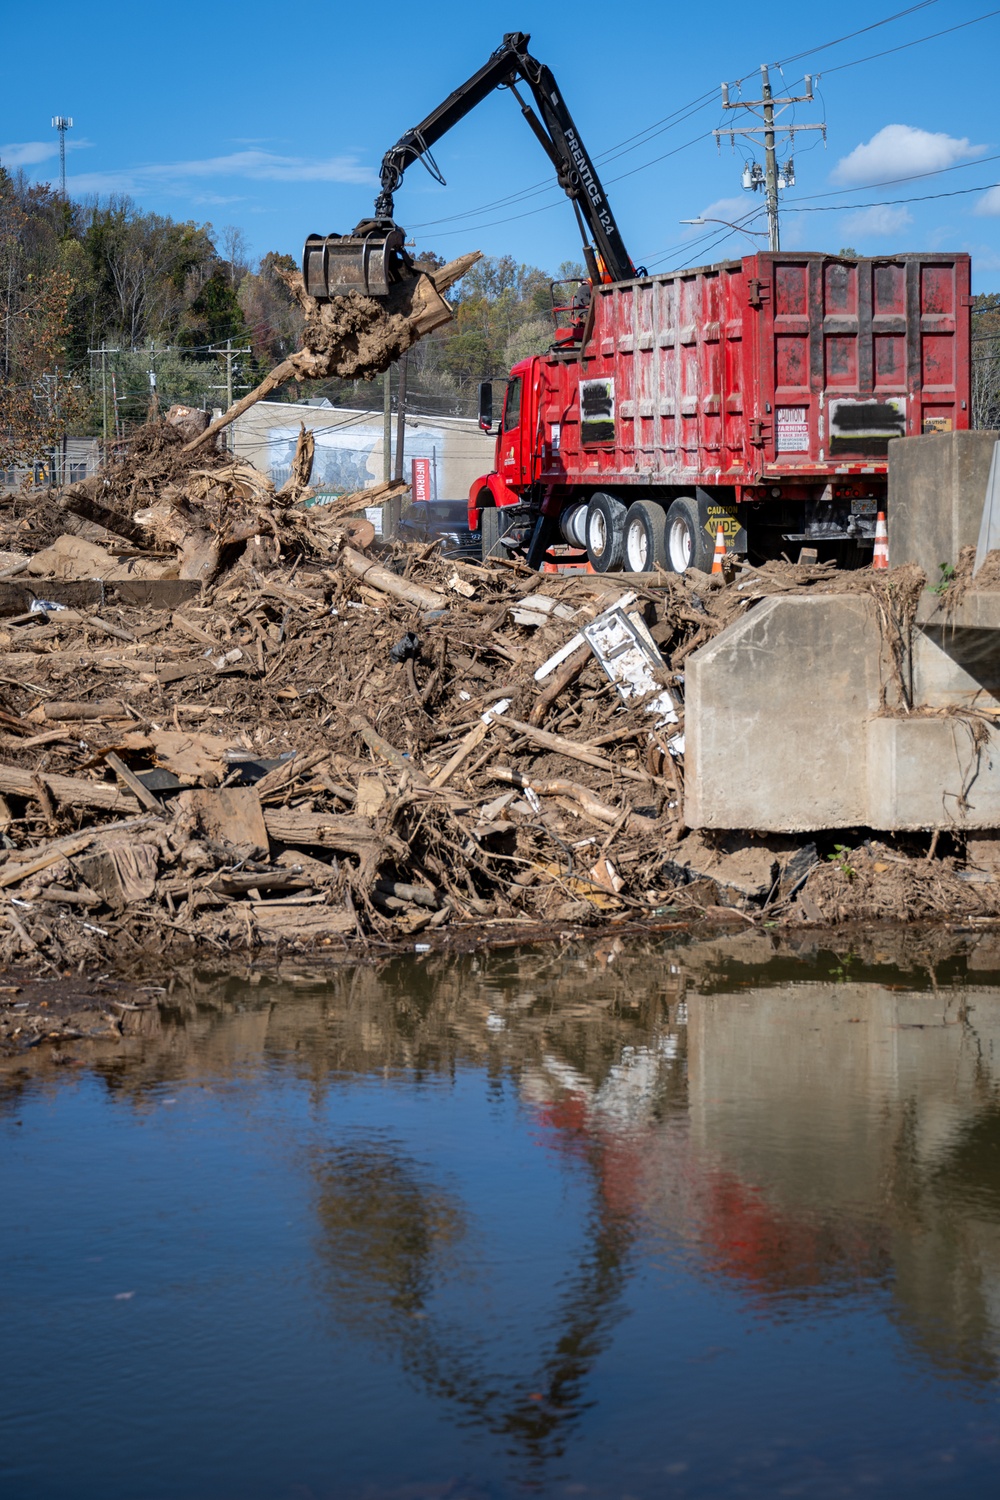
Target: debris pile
230, 720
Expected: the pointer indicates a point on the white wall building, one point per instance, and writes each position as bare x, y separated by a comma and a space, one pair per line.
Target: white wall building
349, 446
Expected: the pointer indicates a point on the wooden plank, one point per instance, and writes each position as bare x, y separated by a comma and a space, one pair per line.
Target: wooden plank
81, 593
69, 791
133, 783
229, 814
15, 873
76, 593
154, 593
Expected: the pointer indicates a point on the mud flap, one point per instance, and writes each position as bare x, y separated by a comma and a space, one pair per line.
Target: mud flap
541, 540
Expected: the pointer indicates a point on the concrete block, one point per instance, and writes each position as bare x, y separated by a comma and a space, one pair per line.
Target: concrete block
937, 486
956, 652
983, 851
776, 717
930, 773
742, 864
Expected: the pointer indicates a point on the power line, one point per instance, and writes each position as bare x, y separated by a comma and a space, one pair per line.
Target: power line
915, 43
677, 117
867, 187
836, 208
850, 35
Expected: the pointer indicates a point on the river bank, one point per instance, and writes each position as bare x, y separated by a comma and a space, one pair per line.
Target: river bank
51, 1017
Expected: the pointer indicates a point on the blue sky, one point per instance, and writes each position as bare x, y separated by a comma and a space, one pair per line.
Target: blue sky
276, 121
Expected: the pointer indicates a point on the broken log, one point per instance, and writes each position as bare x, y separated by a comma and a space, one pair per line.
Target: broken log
343, 832
413, 310
560, 745
81, 500
591, 804
388, 752
69, 791
380, 578
567, 674
302, 463
102, 708
48, 856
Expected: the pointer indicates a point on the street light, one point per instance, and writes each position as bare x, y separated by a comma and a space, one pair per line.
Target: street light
740, 228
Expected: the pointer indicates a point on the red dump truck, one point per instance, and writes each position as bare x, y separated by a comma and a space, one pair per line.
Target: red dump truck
760, 394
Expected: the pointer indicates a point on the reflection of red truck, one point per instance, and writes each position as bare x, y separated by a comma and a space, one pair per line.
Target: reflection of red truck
760, 393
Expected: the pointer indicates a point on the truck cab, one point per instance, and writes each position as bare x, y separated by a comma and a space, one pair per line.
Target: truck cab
514, 463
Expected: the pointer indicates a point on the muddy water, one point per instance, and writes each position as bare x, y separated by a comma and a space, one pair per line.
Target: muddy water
641, 1221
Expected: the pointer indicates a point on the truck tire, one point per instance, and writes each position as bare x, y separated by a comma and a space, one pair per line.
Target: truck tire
492, 525
645, 537
605, 533
688, 544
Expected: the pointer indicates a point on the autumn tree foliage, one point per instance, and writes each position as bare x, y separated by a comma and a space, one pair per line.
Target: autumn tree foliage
986, 361
38, 394
160, 297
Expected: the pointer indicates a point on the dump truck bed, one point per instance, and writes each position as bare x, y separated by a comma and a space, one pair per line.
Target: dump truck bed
778, 366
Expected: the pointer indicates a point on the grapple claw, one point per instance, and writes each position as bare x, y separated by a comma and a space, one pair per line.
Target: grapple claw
369, 261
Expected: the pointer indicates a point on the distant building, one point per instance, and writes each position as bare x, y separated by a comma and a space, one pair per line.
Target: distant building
67, 463
349, 446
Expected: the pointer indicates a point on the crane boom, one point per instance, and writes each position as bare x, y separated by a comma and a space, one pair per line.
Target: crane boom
372, 258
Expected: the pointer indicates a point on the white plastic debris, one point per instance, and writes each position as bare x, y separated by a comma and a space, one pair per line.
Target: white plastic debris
631, 658
498, 708
575, 641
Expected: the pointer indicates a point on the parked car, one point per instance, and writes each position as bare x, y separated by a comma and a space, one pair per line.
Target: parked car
428, 520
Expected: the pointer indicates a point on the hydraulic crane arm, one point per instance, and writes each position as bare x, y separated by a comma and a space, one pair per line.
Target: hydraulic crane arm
373, 257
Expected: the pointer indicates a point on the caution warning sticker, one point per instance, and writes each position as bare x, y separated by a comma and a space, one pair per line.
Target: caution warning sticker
791, 425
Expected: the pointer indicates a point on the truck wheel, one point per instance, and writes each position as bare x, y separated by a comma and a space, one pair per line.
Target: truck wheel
645, 537
687, 542
492, 524
605, 533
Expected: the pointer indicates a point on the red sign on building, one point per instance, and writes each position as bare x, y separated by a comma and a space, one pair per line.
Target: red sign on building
421, 481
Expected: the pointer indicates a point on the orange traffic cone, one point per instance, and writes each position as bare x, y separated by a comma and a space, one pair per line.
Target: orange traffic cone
880, 560
720, 550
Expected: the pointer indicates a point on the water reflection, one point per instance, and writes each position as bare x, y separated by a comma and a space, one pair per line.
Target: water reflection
807, 1133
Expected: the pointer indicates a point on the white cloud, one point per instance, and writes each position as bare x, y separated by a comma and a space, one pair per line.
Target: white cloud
268, 167
902, 151
260, 166
30, 153
27, 153
215, 199
729, 208
989, 203
880, 219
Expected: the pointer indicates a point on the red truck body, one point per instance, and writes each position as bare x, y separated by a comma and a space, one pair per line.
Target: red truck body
766, 389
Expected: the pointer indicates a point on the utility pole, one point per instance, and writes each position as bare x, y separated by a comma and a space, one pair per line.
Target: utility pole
397, 472
770, 162
230, 354
103, 351
387, 426
771, 178
394, 508
62, 123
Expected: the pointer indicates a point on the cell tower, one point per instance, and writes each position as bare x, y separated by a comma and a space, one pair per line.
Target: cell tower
62, 123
